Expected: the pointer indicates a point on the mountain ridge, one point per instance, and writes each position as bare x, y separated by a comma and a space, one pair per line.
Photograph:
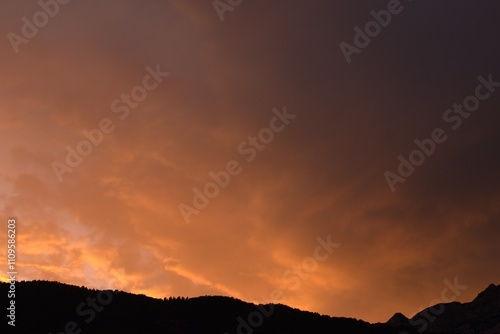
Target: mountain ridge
59, 308
481, 315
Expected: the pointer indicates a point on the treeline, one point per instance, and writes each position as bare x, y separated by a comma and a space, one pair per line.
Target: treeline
175, 299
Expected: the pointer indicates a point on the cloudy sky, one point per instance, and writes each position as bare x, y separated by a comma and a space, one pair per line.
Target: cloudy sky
311, 133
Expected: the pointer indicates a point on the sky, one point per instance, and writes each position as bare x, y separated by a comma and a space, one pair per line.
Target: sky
254, 150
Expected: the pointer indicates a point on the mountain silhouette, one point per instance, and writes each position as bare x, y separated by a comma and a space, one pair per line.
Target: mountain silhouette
398, 320
482, 315
55, 308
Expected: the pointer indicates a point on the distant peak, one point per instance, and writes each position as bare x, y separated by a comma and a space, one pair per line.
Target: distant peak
398, 319
492, 288
491, 293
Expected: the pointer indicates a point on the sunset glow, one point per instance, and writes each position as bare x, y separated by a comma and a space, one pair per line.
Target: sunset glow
150, 147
